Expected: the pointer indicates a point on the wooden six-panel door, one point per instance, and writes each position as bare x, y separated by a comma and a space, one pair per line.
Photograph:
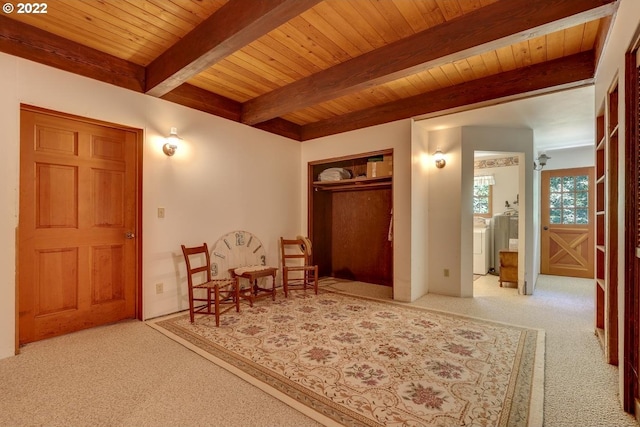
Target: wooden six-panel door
77, 251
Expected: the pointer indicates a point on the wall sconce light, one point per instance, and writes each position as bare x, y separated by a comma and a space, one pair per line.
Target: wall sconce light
170, 147
542, 161
438, 157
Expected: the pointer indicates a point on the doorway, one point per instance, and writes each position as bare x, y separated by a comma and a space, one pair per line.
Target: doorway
496, 214
79, 244
567, 219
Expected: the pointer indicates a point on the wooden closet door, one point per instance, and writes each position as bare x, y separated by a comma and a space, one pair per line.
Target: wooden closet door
361, 249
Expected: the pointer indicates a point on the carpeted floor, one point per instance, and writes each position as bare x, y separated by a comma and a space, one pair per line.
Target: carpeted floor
128, 374
363, 362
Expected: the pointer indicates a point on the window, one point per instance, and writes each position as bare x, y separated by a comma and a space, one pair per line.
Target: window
569, 199
482, 196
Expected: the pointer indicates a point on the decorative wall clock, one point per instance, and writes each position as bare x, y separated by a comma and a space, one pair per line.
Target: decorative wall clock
236, 249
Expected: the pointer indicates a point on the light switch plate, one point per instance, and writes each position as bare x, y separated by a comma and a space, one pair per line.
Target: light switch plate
160, 212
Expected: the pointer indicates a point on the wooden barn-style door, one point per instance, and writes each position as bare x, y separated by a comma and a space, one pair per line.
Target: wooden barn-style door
77, 245
567, 242
631, 363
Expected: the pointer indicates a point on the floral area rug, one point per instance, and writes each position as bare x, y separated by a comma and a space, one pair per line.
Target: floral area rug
346, 360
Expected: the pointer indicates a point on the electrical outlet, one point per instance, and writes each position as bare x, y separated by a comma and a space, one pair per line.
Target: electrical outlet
446, 272
159, 288
160, 212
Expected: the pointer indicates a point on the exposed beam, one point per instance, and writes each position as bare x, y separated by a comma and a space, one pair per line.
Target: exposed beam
202, 100
572, 71
500, 24
205, 101
233, 26
37, 45
282, 127
606, 25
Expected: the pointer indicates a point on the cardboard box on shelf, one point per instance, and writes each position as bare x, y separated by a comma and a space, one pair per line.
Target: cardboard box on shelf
380, 166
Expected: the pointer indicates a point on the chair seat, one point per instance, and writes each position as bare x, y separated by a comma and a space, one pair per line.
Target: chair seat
301, 268
216, 282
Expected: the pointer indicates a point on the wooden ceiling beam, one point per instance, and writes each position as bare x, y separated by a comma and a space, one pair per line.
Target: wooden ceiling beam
233, 26
208, 102
281, 127
606, 25
491, 27
563, 73
37, 45
203, 100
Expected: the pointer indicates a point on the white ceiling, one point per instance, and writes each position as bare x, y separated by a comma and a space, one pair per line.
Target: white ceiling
559, 120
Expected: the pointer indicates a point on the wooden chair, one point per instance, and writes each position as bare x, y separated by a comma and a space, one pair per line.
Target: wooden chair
296, 271
219, 291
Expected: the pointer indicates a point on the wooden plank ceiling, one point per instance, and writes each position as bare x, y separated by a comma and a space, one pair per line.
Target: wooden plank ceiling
310, 68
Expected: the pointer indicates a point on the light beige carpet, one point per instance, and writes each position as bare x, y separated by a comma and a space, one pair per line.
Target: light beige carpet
345, 360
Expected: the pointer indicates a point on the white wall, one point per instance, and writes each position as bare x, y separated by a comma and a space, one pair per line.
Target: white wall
421, 164
225, 176
506, 186
576, 157
612, 68
396, 135
444, 216
9, 165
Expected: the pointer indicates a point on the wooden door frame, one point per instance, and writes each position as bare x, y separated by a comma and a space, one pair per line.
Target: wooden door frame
138, 227
310, 191
631, 292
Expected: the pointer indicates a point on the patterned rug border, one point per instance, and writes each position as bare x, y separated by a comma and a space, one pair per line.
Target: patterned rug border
251, 379
264, 379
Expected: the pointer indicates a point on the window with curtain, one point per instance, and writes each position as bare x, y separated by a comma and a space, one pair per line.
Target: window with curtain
482, 186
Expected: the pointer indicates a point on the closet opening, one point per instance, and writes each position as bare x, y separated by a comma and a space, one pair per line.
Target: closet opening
351, 215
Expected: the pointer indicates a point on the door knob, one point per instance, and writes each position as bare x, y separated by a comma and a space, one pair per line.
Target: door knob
129, 235
545, 228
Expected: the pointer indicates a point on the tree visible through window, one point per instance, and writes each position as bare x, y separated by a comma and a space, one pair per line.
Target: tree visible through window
569, 200
481, 199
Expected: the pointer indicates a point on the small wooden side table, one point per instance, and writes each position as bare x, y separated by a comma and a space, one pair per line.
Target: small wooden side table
254, 291
508, 266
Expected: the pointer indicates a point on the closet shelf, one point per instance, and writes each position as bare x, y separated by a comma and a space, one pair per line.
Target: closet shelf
353, 184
